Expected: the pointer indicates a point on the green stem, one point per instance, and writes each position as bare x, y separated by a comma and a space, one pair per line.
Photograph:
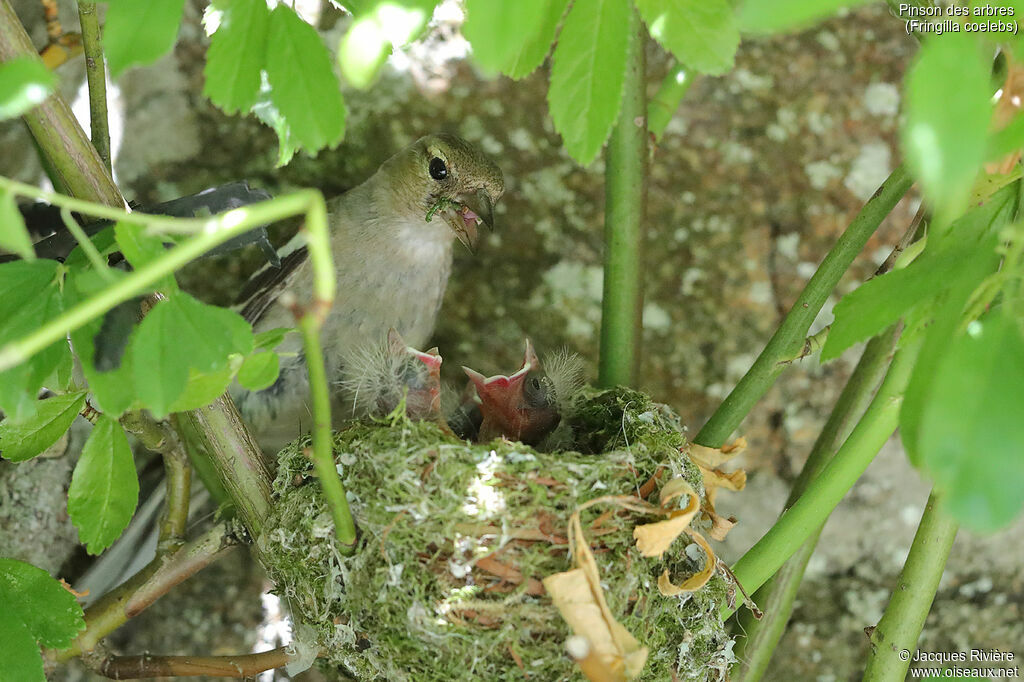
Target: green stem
811, 510
666, 101
625, 196
789, 337
63, 142
91, 252
758, 638
323, 453
95, 73
894, 639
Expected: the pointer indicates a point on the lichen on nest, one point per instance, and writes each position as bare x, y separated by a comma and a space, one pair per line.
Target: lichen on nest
456, 537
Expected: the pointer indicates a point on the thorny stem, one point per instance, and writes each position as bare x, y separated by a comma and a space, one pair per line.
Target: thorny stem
904, 617
147, 665
809, 512
789, 337
625, 197
95, 73
145, 587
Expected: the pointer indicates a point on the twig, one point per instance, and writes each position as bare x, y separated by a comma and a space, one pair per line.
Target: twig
91, 252
95, 73
790, 336
145, 587
625, 195
147, 665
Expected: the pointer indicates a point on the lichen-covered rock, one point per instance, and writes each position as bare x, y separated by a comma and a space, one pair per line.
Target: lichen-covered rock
456, 537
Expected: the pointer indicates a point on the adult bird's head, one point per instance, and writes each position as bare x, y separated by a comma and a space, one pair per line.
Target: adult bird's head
444, 177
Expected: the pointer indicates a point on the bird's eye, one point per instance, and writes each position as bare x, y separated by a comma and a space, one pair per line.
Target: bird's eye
438, 170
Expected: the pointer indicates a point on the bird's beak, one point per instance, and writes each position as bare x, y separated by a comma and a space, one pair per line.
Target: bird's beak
479, 203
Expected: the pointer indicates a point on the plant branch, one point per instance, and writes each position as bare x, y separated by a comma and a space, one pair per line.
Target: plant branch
62, 141
789, 337
667, 99
147, 665
96, 76
625, 197
758, 638
913, 596
813, 507
145, 587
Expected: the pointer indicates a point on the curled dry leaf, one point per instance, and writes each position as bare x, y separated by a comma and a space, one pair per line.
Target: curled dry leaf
707, 459
696, 581
652, 539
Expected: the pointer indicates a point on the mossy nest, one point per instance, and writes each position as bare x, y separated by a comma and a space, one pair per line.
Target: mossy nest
456, 537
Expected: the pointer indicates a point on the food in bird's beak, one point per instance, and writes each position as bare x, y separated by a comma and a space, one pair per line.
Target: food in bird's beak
465, 215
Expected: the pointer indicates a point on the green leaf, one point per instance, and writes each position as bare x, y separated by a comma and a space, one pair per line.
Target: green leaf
768, 16
588, 71
881, 301
104, 488
259, 371
13, 234
304, 88
702, 34
139, 32
29, 297
140, 249
376, 29
266, 112
181, 333
235, 57
24, 83
972, 447
272, 338
30, 596
514, 53
202, 389
947, 116
23, 661
26, 439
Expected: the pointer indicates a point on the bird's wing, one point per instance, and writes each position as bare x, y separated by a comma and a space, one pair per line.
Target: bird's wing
267, 283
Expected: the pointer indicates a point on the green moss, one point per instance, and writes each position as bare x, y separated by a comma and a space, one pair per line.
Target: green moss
415, 603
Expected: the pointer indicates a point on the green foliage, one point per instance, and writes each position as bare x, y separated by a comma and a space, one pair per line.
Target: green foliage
13, 234
139, 32
29, 296
235, 58
971, 434
178, 334
38, 610
769, 16
378, 28
139, 248
701, 34
515, 53
26, 439
588, 70
259, 371
24, 83
104, 488
948, 107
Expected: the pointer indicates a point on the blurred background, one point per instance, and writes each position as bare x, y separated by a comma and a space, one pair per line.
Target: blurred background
757, 175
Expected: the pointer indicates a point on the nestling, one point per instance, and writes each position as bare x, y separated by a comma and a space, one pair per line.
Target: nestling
392, 240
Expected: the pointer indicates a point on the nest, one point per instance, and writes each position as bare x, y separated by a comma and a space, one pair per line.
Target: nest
456, 539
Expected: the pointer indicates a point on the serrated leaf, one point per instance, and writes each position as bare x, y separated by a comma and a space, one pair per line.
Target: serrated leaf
26, 439
23, 661
266, 112
47, 610
24, 83
259, 371
304, 89
972, 448
139, 32
235, 57
770, 16
140, 249
14, 235
883, 300
588, 72
271, 338
702, 34
178, 334
514, 53
376, 29
104, 488
948, 109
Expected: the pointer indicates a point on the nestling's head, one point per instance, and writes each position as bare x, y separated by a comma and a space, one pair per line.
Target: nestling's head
447, 178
